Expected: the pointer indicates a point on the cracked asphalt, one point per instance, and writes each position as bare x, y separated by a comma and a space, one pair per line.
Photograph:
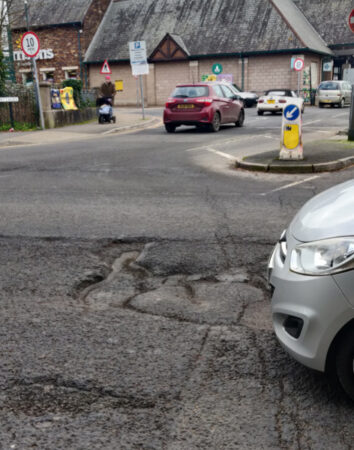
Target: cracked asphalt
135, 312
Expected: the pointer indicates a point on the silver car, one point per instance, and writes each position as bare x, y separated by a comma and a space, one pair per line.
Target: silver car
334, 93
311, 272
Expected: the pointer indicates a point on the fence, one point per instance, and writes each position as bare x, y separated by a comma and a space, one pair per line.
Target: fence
25, 110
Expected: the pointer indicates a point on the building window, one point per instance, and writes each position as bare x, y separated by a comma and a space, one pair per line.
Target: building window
48, 74
27, 77
71, 73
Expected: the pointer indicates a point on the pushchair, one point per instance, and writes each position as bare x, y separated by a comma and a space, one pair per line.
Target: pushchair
105, 110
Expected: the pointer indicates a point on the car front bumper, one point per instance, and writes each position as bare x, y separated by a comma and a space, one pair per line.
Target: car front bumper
307, 311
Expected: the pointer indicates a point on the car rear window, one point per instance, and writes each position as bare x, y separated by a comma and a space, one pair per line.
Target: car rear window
281, 93
190, 91
329, 86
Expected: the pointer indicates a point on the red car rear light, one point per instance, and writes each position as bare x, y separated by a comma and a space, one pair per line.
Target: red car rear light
204, 101
170, 102
282, 101
260, 101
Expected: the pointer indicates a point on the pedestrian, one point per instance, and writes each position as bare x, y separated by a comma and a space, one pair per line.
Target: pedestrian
108, 89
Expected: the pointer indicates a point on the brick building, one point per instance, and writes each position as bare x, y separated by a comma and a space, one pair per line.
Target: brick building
65, 30
253, 40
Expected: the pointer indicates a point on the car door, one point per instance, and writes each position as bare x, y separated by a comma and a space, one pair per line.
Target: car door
233, 109
222, 103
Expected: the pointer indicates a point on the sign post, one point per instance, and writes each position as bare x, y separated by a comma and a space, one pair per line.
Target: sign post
30, 46
139, 64
291, 145
351, 118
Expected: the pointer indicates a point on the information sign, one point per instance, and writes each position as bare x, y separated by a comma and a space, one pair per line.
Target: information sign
138, 59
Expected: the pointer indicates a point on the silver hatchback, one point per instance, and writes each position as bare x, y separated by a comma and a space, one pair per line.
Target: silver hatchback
311, 271
334, 93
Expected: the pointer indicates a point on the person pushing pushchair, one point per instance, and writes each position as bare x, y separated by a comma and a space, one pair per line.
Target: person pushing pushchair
105, 101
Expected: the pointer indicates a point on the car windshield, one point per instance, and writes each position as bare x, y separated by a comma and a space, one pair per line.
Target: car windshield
190, 91
280, 93
329, 86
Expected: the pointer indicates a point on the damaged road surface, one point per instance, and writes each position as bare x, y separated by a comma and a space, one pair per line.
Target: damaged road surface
134, 307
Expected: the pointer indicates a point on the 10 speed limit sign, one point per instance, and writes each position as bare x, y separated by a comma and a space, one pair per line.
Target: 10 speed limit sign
30, 44
298, 64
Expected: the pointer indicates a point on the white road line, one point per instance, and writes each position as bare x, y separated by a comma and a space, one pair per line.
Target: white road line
312, 121
217, 152
287, 186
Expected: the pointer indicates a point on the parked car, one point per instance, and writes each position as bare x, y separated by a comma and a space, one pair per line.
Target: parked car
334, 93
312, 273
204, 105
275, 100
249, 98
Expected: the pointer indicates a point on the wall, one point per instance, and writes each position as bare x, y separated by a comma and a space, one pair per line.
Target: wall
64, 42
260, 73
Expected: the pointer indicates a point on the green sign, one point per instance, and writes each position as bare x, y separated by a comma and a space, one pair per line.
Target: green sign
217, 68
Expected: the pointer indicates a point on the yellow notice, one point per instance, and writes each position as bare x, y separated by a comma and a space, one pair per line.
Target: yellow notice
291, 136
119, 85
67, 98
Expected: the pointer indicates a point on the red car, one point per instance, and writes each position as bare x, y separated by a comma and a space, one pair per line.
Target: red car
203, 105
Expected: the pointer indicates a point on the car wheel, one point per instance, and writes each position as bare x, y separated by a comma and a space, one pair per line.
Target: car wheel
341, 103
260, 113
215, 124
320, 105
241, 119
344, 362
170, 128
101, 119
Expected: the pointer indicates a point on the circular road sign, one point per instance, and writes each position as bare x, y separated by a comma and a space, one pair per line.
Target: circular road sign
30, 44
291, 112
299, 64
217, 68
351, 20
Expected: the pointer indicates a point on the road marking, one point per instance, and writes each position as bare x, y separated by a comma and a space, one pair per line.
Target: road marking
312, 121
217, 152
287, 186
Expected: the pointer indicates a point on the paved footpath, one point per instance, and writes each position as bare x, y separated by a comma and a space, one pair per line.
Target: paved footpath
127, 120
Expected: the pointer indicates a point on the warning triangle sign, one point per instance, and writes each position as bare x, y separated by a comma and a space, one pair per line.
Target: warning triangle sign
106, 70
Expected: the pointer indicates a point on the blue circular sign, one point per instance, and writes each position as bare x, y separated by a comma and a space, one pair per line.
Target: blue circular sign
291, 112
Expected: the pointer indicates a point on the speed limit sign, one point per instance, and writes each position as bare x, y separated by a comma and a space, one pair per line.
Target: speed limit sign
298, 64
30, 44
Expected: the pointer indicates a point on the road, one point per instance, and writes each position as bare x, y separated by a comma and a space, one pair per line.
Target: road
135, 311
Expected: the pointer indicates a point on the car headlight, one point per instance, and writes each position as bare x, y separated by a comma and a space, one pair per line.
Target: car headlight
324, 257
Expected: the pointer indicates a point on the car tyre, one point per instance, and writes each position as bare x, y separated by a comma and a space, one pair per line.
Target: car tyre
241, 119
320, 104
341, 103
344, 362
214, 126
260, 113
101, 119
170, 128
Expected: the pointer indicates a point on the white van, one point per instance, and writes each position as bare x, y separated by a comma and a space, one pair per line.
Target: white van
334, 93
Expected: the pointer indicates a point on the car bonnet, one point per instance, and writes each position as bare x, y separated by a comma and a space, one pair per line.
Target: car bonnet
326, 215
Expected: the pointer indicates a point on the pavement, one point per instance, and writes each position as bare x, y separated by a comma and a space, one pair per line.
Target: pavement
319, 155
127, 120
